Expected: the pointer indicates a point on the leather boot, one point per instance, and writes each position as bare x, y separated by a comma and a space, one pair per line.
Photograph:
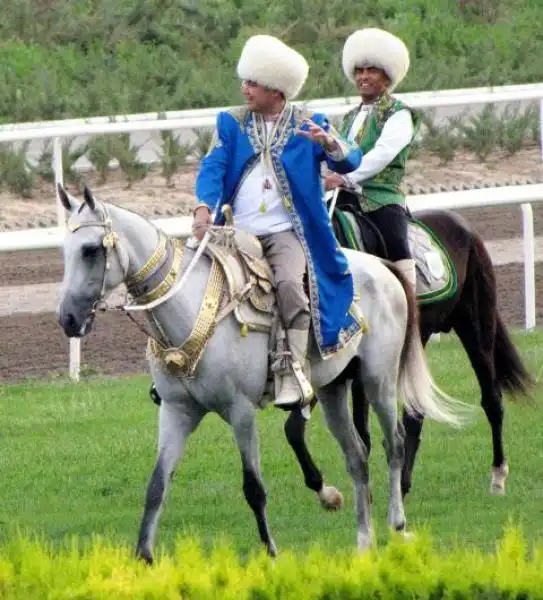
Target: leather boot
296, 388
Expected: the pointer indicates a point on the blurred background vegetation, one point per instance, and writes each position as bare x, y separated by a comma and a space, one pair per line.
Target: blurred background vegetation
79, 58
82, 58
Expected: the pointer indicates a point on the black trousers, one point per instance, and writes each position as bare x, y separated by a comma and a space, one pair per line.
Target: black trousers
391, 221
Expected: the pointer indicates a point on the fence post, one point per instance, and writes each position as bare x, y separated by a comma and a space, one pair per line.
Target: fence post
529, 264
541, 126
75, 344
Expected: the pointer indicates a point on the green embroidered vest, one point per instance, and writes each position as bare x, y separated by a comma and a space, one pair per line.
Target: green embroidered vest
385, 187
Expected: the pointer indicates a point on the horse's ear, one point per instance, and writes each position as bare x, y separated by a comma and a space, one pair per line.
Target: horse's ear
64, 198
89, 198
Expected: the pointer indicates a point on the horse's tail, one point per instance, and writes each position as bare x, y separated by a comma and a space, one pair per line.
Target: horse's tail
416, 387
511, 374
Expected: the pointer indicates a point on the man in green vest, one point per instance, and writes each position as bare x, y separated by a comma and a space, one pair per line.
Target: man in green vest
383, 126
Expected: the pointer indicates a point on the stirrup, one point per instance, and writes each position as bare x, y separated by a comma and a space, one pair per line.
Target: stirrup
304, 391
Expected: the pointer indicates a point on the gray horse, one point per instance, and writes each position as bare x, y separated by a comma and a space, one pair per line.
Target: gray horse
106, 245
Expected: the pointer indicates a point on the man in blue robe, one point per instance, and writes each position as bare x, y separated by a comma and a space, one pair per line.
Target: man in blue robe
265, 161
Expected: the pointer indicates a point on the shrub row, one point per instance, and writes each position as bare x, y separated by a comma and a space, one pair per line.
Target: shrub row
33, 570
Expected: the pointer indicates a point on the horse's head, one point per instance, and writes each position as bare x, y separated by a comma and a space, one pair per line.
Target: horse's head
94, 262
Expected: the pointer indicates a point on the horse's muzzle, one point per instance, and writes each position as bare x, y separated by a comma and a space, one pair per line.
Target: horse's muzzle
76, 324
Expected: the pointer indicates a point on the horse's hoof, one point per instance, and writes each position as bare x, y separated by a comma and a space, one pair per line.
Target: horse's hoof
499, 476
331, 498
145, 556
400, 528
497, 490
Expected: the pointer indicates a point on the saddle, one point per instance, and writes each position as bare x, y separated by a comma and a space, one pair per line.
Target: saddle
240, 282
250, 284
436, 273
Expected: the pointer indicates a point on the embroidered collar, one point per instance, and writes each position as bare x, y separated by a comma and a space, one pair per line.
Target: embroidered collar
265, 142
378, 108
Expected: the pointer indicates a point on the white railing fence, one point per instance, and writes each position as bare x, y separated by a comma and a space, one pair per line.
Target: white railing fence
330, 106
523, 195
205, 118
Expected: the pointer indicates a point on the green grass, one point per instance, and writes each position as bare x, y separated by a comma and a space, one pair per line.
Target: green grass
76, 458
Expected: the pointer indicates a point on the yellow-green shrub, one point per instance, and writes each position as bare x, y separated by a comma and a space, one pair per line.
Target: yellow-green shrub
31, 569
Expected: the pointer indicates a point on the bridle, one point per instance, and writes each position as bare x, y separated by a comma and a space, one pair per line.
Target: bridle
110, 243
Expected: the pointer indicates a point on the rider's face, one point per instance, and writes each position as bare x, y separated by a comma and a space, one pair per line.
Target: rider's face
259, 98
371, 82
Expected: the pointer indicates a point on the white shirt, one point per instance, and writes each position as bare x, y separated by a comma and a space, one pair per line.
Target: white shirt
253, 197
397, 133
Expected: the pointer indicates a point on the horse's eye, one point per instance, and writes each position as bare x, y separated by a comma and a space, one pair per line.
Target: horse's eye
89, 250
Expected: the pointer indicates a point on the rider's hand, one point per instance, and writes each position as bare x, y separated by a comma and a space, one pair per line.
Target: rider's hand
202, 220
315, 133
333, 181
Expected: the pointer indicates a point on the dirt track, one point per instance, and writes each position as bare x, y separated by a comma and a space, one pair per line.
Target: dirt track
32, 345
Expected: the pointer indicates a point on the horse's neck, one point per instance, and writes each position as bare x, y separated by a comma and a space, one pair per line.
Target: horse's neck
139, 237
176, 317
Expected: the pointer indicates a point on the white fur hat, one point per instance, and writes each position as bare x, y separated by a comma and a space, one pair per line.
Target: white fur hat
376, 48
271, 63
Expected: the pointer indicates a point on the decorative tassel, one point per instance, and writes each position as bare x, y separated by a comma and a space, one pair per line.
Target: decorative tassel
262, 207
244, 331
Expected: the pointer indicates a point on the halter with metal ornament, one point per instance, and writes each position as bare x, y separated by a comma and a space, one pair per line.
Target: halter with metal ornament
167, 256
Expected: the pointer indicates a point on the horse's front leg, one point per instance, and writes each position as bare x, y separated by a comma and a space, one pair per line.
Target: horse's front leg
176, 423
242, 420
295, 425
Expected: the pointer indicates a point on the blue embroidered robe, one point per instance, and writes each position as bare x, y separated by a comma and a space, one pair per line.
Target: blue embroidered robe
296, 162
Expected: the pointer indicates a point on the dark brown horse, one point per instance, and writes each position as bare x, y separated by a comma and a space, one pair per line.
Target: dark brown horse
472, 312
